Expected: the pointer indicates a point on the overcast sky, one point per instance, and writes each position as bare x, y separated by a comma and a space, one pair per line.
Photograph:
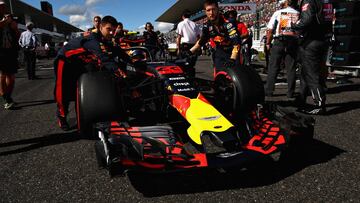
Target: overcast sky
132, 13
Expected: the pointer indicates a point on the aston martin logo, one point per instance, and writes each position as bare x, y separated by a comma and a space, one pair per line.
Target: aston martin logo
210, 118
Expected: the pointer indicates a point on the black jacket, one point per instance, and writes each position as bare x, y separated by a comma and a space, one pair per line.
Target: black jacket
151, 38
311, 22
93, 49
223, 35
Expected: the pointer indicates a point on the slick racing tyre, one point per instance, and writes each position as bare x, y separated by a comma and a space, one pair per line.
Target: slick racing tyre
238, 91
97, 100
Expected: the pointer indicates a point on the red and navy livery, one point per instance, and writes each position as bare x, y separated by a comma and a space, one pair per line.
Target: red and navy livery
81, 55
185, 128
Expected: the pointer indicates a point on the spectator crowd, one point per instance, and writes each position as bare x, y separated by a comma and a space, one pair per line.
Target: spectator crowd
265, 9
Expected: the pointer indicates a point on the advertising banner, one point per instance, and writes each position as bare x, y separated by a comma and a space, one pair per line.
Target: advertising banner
241, 8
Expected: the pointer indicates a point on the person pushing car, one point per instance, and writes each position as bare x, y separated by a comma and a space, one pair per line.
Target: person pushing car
94, 52
223, 34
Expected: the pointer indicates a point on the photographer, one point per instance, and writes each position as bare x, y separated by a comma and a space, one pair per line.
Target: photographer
9, 35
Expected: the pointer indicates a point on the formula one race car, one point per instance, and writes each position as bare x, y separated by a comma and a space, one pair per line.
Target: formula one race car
156, 118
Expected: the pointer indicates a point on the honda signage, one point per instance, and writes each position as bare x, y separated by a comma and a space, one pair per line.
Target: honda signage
241, 8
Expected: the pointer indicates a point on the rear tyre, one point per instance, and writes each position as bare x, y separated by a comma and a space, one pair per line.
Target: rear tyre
97, 100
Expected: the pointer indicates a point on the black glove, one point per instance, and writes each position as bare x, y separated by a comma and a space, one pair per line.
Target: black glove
119, 73
229, 63
140, 65
187, 54
190, 57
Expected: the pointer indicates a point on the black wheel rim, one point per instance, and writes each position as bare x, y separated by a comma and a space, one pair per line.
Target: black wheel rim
226, 95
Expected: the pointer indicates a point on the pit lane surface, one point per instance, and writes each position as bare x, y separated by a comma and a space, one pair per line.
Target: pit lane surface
41, 163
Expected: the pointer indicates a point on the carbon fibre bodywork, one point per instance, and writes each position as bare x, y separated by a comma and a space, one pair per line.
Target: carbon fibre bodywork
187, 131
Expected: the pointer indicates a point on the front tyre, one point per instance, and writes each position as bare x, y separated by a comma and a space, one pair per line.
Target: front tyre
238, 90
97, 100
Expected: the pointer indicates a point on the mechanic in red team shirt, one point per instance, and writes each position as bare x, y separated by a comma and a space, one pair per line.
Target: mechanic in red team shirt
224, 36
86, 53
231, 15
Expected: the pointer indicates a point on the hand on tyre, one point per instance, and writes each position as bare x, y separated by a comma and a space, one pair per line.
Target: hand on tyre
140, 65
190, 53
189, 56
229, 63
120, 73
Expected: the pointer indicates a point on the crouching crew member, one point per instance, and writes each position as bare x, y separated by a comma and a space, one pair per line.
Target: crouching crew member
86, 53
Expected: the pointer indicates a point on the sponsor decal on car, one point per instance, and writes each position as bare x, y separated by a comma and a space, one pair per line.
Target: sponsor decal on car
177, 78
210, 118
181, 84
186, 89
228, 154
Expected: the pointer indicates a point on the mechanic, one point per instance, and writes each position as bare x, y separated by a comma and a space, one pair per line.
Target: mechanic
231, 15
83, 54
224, 36
9, 35
285, 46
119, 32
96, 24
266, 53
188, 33
151, 40
95, 28
249, 43
163, 46
312, 27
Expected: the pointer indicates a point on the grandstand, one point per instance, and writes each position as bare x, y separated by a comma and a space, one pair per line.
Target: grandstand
265, 9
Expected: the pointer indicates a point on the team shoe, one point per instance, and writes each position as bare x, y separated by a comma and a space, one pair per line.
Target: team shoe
9, 106
313, 110
63, 124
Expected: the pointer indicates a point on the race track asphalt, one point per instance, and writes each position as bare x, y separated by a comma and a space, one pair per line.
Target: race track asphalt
41, 163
